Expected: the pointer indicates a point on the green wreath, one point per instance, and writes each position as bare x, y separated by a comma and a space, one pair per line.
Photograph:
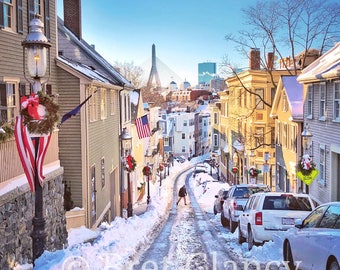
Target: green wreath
130, 164
51, 118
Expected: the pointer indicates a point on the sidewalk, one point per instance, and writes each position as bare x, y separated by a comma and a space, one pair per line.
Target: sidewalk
139, 208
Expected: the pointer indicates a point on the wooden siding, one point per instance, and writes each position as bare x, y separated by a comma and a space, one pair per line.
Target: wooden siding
104, 143
70, 135
11, 66
325, 133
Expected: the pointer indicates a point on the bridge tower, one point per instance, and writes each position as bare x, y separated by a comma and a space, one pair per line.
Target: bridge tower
153, 72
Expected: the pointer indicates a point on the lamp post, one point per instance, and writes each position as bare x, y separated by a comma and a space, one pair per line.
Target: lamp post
306, 136
36, 49
306, 139
126, 140
147, 156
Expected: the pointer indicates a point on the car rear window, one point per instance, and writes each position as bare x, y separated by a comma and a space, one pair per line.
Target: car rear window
245, 192
284, 202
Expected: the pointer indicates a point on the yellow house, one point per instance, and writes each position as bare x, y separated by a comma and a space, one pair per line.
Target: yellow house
287, 111
249, 130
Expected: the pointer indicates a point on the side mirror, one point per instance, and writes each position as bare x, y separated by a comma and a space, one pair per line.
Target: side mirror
298, 223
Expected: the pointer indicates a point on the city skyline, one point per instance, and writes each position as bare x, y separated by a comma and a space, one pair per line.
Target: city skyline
185, 33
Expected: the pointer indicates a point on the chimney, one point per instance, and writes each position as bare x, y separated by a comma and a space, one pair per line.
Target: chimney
270, 60
72, 16
254, 59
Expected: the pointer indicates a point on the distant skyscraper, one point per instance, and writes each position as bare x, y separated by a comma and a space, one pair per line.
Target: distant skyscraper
206, 71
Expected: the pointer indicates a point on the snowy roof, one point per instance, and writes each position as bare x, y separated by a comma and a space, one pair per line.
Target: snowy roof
115, 77
85, 70
325, 67
294, 91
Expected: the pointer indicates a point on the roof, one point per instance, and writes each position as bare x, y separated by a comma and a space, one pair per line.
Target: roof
294, 94
85, 70
326, 67
98, 61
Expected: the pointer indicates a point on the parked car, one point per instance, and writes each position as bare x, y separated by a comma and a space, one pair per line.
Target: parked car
314, 243
235, 201
180, 159
200, 168
266, 214
220, 197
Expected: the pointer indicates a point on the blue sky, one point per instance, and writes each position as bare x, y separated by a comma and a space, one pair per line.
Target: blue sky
185, 32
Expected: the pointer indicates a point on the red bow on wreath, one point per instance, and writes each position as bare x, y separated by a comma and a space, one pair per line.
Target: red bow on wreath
34, 108
129, 162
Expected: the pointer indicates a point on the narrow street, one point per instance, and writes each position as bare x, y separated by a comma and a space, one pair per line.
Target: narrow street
187, 241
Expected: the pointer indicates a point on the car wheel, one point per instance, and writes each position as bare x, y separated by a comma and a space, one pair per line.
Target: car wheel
232, 226
241, 239
287, 255
250, 239
224, 221
334, 265
215, 211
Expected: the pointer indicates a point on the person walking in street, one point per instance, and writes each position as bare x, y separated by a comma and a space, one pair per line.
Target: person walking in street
182, 193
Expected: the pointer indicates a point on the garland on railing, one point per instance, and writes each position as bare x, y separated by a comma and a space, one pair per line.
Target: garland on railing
6, 132
40, 113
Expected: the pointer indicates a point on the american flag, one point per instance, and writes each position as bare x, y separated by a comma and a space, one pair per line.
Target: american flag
143, 128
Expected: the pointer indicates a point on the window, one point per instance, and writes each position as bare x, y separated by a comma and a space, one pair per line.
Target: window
47, 23
259, 136
8, 108
166, 141
113, 97
183, 135
7, 14
310, 101
322, 101
103, 108
11, 15
215, 118
284, 102
322, 171
34, 8
337, 101
183, 149
185, 123
93, 105
93, 194
215, 140
259, 99
103, 172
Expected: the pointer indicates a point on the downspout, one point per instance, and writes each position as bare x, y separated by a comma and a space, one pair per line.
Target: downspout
120, 151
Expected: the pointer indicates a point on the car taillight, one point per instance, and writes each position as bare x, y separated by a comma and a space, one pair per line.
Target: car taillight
235, 205
258, 218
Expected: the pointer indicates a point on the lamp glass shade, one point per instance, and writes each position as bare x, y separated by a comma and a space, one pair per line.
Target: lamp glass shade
36, 60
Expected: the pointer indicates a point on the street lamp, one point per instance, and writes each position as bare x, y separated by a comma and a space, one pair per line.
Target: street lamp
36, 50
148, 156
126, 140
306, 139
37, 53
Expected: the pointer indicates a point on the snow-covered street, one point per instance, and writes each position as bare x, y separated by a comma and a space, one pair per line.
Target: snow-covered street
120, 244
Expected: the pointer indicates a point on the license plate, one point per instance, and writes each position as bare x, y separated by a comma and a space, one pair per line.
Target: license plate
287, 221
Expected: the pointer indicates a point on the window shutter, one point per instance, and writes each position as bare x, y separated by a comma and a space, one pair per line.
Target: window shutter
30, 11
47, 24
1, 15
20, 20
48, 88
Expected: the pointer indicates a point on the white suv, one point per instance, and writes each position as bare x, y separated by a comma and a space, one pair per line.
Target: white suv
268, 213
